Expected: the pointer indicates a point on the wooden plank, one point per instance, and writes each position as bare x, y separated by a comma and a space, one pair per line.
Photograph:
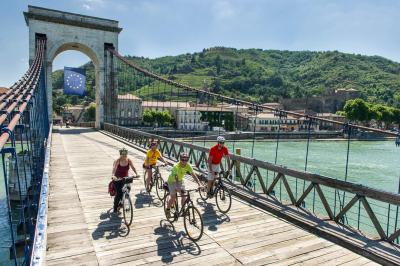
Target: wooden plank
244, 234
274, 182
374, 220
246, 180
394, 236
316, 254
260, 179
304, 195
288, 190
67, 236
347, 207
323, 259
381, 251
324, 201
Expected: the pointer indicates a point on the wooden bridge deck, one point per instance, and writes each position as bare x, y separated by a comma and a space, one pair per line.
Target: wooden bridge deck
81, 230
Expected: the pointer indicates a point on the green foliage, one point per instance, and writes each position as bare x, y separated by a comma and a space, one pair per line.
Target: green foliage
60, 100
265, 75
359, 110
342, 113
162, 118
219, 119
90, 113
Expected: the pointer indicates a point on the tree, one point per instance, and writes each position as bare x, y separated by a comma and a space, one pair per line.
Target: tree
148, 116
218, 63
193, 59
74, 99
216, 85
90, 113
382, 113
165, 118
357, 110
174, 70
396, 116
160, 117
342, 113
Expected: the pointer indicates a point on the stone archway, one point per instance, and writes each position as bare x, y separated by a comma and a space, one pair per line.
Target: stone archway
67, 31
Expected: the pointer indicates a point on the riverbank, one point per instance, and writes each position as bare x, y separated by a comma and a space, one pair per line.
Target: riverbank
249, 136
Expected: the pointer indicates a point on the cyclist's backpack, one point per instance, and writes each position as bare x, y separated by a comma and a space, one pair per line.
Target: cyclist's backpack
111, 189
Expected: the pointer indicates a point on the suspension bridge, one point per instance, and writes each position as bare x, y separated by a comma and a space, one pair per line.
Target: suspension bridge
58, 211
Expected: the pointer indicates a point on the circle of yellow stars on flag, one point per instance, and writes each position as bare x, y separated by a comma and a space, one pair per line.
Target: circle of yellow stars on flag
75, 83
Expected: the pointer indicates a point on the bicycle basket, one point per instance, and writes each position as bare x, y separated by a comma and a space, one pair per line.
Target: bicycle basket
111, 189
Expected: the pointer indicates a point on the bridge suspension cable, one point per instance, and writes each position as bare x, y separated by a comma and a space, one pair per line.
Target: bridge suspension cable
242, 102
24, 133
212, 106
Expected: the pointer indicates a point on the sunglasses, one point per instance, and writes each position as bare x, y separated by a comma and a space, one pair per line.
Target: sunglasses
221, 142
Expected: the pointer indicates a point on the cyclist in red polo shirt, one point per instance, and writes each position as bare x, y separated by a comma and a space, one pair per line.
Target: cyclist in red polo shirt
214, 160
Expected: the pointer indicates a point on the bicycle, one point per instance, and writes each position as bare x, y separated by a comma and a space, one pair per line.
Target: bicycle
223, 197
126, 201
156, 179
191, 215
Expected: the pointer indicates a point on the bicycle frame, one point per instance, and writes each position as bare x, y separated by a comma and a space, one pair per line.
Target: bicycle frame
188, 202
126, 188
218, 182
155, 170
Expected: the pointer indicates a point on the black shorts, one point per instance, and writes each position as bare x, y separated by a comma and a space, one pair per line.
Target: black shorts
148, 166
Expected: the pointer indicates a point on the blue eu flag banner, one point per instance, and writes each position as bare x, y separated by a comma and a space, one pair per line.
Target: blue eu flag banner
74, 81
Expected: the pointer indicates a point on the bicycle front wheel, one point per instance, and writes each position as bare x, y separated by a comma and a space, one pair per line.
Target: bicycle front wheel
160, 188
203, 193
172, 215
193, 223
223, 199
128, 210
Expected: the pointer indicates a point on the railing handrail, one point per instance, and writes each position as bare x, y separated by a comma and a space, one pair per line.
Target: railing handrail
40, 239
347, 186
360, 193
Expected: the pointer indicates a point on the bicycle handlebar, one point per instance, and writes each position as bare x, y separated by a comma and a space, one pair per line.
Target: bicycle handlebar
126, 177
217, 173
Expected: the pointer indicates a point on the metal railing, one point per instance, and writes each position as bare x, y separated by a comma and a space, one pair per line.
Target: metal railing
24, 132
40, 238
83, 124
369, 211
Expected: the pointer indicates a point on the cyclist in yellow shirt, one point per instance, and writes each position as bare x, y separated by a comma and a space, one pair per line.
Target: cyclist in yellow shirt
153, 154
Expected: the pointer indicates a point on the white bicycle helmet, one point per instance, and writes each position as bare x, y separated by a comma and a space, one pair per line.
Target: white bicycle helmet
183, 155
221, 139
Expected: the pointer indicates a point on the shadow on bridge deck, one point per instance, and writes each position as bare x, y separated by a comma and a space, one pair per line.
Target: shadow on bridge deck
80, 220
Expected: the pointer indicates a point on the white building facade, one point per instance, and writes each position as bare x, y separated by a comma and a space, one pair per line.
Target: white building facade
189, 119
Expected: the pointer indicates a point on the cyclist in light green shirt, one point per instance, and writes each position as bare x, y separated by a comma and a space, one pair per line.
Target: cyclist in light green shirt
176, 179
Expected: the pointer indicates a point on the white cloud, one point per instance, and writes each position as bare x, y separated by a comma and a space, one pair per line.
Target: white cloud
103, 4
86, 6
93, 4
223, 9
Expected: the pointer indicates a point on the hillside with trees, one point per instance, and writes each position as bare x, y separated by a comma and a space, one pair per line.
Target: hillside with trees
269, 75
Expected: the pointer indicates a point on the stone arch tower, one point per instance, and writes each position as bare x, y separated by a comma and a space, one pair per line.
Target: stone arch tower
67, 31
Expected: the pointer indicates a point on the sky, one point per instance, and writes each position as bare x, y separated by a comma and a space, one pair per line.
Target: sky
155, 28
